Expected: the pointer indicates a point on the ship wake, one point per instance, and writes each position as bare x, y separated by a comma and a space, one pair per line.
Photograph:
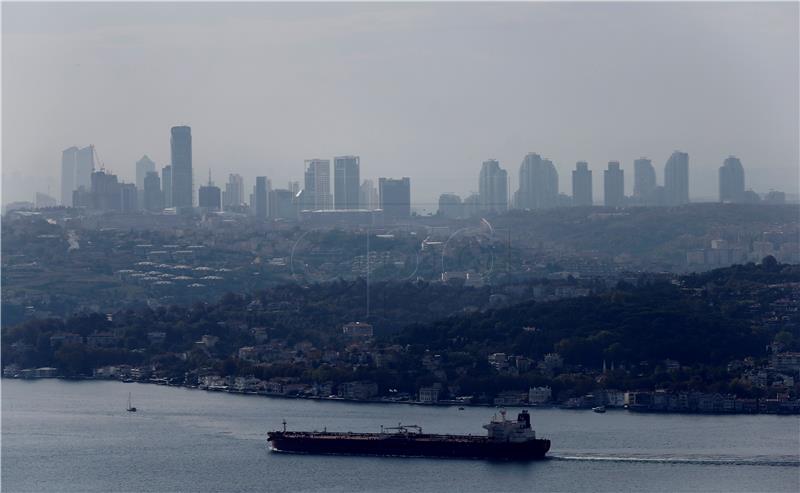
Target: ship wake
774, 461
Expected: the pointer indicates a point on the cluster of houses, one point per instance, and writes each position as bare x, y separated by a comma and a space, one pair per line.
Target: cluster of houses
700, 402
513, 365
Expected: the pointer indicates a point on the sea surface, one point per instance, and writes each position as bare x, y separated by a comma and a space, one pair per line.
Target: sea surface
77, 437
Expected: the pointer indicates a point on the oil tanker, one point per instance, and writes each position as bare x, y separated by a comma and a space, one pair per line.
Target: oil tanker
505, 440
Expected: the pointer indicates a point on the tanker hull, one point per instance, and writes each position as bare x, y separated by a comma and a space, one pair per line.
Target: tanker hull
412, 445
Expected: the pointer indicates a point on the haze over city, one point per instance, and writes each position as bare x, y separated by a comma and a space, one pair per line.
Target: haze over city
250, 246
428, 91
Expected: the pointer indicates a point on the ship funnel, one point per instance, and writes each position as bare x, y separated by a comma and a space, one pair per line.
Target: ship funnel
524, 417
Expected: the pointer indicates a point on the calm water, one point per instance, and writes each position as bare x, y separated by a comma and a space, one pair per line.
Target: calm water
76, 436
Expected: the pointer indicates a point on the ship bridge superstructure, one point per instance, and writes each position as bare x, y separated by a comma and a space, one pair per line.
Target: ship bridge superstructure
501, 429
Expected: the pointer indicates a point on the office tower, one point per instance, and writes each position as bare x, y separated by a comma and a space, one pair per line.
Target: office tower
281, 204
181, 161
346, 182
43, 201
143, 166
471, 206
395, 197
209, 196
731, 180
166, 185
129, 197
294, 186
582, 184
613, 185
317, 190
84, 166
82, 197
550, 184
493, 187
450, 206
368, 196
676, 179
233, 196
153, 198
69, 158
260, 197
644, 181
538, 183
105, 192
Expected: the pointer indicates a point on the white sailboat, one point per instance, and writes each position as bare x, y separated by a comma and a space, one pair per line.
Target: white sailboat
130, 407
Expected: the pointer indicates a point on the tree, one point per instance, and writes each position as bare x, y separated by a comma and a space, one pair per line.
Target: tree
769, 264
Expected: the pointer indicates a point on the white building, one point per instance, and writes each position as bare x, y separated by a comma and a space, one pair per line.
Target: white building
539, 395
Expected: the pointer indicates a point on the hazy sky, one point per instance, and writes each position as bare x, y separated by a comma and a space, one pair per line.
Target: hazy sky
421, 90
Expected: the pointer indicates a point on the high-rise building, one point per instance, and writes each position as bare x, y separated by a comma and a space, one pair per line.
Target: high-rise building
281, 204
181, 155
538, 183
82, 197
472, 205
613, 185
346, 182
69, 158
129, 197
233, 196
731, 180
209, 196
143, 166
644, 181
676, 179
84, 166
166, 185
317, 190
153, 198
395, 197
106, 193
294, 186
493, 187
260, 197
582, 184
450, 206
368, 196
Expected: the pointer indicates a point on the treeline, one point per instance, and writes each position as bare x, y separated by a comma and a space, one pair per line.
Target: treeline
627, 326
702, 322
292, 313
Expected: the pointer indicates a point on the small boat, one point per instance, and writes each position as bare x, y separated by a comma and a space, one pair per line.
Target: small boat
599, 409
130, 407
461, 408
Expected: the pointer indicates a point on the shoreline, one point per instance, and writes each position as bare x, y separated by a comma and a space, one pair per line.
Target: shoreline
406, 402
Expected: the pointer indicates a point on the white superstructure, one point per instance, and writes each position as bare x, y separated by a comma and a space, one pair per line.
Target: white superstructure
503, 430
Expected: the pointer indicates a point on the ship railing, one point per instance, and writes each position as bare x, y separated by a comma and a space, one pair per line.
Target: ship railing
401, 428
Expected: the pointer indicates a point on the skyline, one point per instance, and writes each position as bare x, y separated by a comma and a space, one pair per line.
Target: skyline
538, 182
468, 102
538, 187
